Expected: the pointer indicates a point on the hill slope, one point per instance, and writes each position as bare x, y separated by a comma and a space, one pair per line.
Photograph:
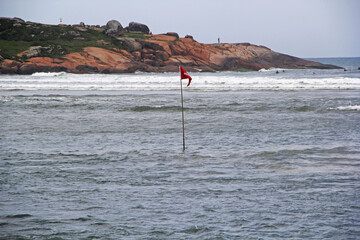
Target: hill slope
27, 47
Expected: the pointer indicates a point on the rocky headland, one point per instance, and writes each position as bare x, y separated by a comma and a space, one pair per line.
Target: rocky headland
27, 47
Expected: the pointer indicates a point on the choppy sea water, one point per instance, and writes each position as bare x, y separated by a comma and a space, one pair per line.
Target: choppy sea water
269, 156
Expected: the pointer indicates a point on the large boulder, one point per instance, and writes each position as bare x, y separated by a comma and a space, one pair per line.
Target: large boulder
135, 27
34, 51
87, 69
130, 44
8, 66
16, 19
173, 34
113, 28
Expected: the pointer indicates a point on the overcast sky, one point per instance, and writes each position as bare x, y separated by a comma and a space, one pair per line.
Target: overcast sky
303, 28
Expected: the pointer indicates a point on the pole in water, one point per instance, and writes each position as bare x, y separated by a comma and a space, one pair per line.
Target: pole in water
183, 75
182, 111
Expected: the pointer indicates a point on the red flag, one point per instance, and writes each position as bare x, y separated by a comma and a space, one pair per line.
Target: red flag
185, 75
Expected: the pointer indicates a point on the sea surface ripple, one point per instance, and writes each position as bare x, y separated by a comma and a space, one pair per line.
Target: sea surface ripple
108, 164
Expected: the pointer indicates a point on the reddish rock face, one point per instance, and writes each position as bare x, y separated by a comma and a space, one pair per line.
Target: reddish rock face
161, 53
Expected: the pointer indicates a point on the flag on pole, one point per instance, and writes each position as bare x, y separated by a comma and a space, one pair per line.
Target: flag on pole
185, 75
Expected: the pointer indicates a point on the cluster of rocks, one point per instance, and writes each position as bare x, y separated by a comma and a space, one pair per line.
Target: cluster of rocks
114, 28
18, 22
41, 51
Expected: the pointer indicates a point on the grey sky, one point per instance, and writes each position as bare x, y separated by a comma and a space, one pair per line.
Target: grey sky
303, 28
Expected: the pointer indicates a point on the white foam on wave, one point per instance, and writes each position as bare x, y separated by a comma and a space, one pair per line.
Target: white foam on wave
171, 81
271, 70
347, 108
48, 74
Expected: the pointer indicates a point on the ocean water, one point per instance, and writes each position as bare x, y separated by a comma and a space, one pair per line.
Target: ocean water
268, 156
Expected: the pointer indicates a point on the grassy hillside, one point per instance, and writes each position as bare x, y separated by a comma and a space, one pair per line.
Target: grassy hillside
17, 36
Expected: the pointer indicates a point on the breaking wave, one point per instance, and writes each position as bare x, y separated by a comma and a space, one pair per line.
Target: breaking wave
348, 108
271, 70
229, 81
48, 74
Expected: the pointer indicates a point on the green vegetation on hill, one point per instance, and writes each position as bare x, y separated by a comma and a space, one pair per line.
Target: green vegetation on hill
9, 49
16, 36
135, 35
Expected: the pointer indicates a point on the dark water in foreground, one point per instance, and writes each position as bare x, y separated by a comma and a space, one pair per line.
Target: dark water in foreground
278, 158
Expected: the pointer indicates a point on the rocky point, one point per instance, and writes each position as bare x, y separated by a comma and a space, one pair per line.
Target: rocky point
111, 48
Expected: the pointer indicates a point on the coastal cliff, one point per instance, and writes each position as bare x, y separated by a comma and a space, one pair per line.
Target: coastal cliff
27, 47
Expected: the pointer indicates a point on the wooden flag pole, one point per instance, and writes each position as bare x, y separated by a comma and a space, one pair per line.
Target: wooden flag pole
182, 110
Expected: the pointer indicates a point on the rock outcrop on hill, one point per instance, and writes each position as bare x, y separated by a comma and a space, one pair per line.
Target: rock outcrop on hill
113, 28
110, 50
138, 28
